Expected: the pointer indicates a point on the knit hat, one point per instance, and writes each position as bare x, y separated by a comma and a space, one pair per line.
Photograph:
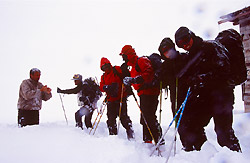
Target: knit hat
165, 45
127, 50
182, 35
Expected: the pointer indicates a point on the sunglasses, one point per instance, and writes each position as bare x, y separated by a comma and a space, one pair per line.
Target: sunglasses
184, 41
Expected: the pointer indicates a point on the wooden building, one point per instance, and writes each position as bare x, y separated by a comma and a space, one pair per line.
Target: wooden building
242, 18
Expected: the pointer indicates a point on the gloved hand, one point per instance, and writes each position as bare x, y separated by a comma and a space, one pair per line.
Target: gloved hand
105, 88
59, 90
136, 80
112, 89
128, 81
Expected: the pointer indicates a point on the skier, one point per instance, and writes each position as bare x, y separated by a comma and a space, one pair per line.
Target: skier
173, 62
88, 95
111, 83
207, 72
31, 94
142, 73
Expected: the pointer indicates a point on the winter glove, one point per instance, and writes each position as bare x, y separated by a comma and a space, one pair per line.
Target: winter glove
59, 90
112, 89
200, 80
129, 80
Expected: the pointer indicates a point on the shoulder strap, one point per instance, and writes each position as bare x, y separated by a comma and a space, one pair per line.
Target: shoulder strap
117, 73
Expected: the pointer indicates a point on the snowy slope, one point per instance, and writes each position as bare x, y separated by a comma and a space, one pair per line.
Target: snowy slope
61, 143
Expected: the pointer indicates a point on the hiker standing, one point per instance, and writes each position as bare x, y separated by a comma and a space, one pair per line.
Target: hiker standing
142, 73
31, 94
88, 94
111, 83
207, 72
173, 62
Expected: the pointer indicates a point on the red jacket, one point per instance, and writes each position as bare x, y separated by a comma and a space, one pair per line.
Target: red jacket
110, 77
147, 73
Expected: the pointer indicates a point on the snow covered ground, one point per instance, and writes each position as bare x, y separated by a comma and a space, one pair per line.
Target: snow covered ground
57, 142
64, 37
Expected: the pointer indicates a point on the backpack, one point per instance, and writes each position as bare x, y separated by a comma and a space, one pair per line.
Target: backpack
232, 41
156, 62
91, 90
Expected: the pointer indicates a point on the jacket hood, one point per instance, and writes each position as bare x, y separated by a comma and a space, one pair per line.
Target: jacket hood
104, 61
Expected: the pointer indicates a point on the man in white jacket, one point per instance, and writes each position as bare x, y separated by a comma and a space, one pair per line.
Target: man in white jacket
31, 94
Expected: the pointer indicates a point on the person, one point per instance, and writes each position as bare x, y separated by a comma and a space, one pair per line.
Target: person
111, 83
31, 94
207, 72
142, 73
172, 64
88, 93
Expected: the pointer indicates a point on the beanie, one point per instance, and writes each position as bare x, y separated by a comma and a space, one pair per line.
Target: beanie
181, 33
165, 45
127, 49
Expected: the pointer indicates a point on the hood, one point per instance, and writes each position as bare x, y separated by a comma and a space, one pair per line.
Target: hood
104, 61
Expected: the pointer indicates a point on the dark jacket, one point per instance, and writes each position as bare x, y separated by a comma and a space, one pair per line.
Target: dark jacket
83, 93
207, 65
170, 69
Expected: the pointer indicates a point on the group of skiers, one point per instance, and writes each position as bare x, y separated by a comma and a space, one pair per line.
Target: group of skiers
205, 68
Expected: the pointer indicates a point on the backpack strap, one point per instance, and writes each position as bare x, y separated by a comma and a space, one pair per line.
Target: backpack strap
117, 73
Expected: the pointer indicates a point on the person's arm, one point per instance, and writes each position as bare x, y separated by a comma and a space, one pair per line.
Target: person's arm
70, 91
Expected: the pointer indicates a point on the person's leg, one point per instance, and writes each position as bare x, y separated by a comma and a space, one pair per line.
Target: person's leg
78, 119
87, 119
126, 121
148, 105
223, 119
112, 113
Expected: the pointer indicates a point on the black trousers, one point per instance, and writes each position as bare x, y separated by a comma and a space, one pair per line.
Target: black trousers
113, 112
200, 109
28, 117
148, 104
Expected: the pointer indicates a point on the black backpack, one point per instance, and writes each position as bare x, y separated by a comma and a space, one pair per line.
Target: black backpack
91, 90
232, 41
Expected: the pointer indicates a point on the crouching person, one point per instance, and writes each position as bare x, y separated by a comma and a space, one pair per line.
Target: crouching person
111, 83
31, 94
88, 94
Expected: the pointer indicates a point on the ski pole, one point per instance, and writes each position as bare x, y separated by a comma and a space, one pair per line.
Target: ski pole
176, 103
94, 122
177, 113
120, 109
99, 120
171, 145
63, 109
160, 101
144, 118
103, 103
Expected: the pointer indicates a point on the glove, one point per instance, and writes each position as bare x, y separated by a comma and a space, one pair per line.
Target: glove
59, 90
105, 88
128, 81
112, 89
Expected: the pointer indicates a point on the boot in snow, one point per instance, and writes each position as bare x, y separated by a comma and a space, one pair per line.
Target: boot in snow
130, 134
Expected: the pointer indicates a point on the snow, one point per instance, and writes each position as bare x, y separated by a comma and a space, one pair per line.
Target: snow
59, 142
66, 37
